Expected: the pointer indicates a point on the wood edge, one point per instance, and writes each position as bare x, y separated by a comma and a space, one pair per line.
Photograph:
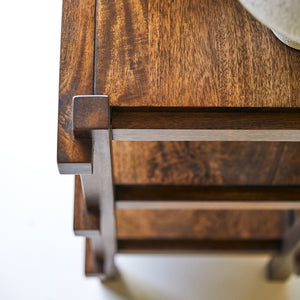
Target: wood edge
199, 118
68, 168
78, 16
85, 223
93, 267
90, 112
208, 205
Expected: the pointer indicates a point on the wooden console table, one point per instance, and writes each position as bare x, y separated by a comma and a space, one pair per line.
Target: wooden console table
180, 120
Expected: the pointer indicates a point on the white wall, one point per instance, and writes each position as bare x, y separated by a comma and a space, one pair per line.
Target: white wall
39, 256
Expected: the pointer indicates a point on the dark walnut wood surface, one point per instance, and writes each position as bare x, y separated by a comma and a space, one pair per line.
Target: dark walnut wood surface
168, 53
182, 224
76, 78
206, 163
198, 224
191, 53
179, 53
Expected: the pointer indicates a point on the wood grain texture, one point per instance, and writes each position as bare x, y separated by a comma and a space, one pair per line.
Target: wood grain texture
90, 113
76, 78
198, 224
287, 167
86, 222
191, 53
206, 163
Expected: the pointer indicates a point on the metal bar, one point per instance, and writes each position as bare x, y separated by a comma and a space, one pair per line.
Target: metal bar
206, 135
209, 205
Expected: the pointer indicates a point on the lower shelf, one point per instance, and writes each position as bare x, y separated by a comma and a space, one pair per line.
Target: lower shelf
182, 224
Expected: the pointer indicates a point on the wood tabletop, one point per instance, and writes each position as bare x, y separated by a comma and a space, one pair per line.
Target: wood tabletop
191, 53
168, 53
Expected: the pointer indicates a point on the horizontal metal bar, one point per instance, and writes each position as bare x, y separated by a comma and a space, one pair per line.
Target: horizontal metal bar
209, 205
206, 135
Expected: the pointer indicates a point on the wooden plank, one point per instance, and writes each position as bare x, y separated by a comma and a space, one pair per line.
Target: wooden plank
206, 163
198, 224
87, 223
191, 53
76, 78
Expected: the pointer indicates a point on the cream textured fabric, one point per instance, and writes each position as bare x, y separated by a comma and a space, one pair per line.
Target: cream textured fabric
282, 16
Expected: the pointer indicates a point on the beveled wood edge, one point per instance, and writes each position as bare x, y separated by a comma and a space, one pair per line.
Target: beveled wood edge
206, 135
208, 198
208, 205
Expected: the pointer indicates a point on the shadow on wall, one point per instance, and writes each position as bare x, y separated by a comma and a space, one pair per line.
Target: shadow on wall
189, 277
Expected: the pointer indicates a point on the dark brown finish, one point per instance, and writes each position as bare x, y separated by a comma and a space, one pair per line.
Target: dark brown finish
93, 267
76, 78
207, 198
230, 62
86, 222
197, 193
90, 113
167, 246
177, 64
195, 118
198, 224
206, 163
287, 168
191, 53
